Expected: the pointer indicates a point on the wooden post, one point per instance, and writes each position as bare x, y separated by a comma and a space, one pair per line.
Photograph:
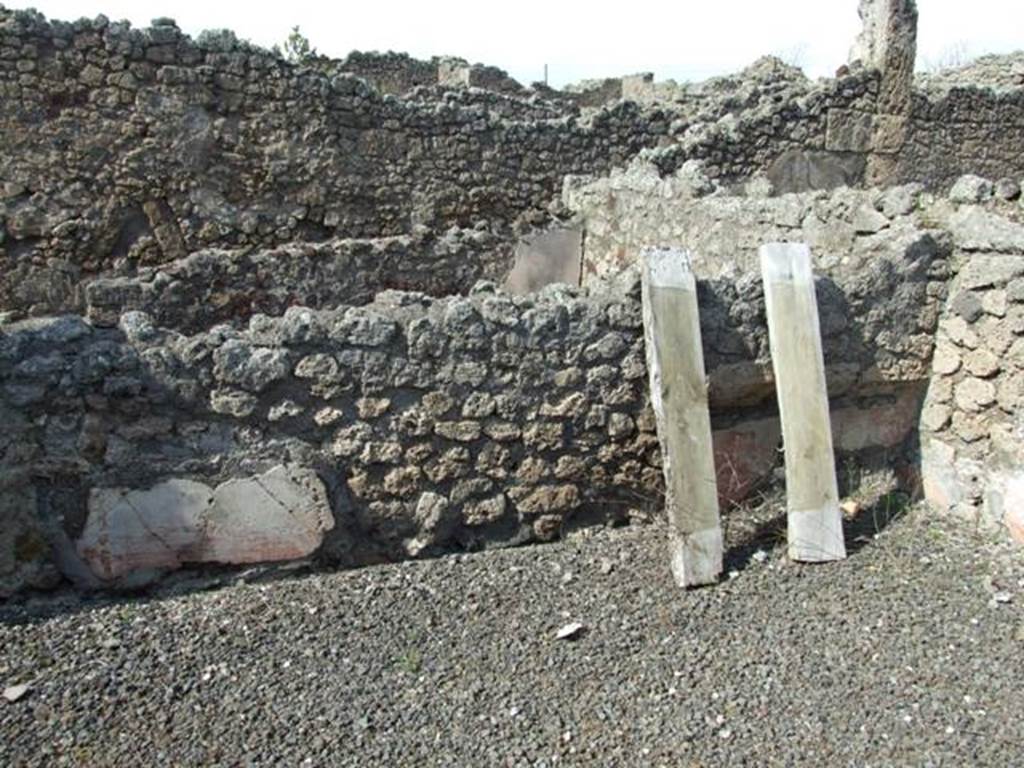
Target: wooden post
679, 396
814, 521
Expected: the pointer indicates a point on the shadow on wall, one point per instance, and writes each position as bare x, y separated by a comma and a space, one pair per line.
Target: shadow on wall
407, 427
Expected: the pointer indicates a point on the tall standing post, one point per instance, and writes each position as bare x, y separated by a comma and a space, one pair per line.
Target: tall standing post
814, 520
679, 396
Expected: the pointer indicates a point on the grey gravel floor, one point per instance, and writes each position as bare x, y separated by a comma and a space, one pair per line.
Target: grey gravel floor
909, 653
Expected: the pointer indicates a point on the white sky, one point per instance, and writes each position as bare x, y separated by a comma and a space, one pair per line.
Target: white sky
686, 39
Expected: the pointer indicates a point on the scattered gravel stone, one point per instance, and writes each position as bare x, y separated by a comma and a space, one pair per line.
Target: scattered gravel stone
569, 631
453, 662
15, 693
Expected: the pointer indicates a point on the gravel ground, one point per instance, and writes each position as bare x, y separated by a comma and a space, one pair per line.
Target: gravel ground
909, 653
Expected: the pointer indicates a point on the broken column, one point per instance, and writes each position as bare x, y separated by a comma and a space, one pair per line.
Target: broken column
814, 522
888, 43
679, 398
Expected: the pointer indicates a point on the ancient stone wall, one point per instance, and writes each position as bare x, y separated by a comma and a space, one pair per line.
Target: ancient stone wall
215, 286
129, 149
276, 350
390, 73
405, 426
126, 148
964, 130
971, 425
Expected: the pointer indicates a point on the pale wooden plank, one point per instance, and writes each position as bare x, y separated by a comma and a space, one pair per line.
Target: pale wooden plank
675, 364
814, 520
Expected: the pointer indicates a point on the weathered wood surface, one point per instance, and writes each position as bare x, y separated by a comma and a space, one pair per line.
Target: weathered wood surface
675, 364
814, 520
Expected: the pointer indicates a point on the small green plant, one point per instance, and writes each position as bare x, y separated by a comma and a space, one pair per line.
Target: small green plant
410, 660
296, 48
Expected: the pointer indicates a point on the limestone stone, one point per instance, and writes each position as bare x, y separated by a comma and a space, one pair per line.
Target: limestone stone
569, 406
946, 359
969, 427
461, 431
470, 488
868, 221
940, 390
402, 481
251, 368
935, 416
995, 303
233, 402
286, 409
382, 452
597, 417
975, 229
1015, 290
547, 527
430, 515
437, 404
325, 417
571, 377
971, 189
549, 498
995, 335
974, 395
958, 331
544, 436
1015, 319
479, 405
901, 201
502, 431
372, 407
620, 425
1016, 353
982, 363
485, 511
1010, 393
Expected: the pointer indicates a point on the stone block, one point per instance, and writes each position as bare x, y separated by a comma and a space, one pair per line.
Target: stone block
849, 131
131, 535
889, 134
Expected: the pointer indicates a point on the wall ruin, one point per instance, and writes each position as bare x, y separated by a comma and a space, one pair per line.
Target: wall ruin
249, 311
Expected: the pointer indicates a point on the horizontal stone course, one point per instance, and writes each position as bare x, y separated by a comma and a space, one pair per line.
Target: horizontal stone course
513, 413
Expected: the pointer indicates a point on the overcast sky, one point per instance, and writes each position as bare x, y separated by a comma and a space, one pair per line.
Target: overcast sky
685, 40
